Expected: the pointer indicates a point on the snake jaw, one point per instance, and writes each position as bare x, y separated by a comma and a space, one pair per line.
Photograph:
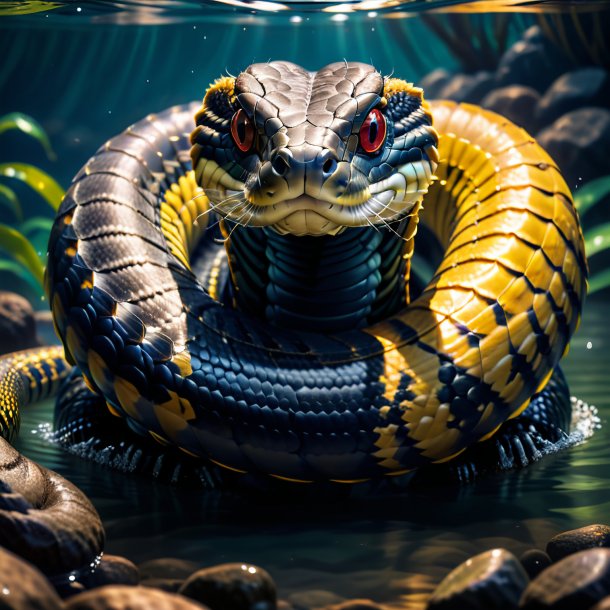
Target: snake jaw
309, 171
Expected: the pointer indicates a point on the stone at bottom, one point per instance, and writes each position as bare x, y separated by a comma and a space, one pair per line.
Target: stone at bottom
119, 597
494, 579
577, 582
23, 586
583, 538
232, 586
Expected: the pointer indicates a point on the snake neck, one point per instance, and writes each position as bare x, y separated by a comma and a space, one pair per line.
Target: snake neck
321, 284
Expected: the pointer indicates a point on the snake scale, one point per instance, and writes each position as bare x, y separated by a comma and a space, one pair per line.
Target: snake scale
291, 346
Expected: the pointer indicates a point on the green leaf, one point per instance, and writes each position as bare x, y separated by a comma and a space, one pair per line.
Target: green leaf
29, 126
19, 248
40, 181
599, 281
26, 8
591, 194
9, 200
21, 272
36, 224
597, 239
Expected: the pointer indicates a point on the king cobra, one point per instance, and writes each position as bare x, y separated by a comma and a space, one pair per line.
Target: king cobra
241, 290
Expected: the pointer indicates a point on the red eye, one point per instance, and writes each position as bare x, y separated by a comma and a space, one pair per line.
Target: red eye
372, 132
242, 131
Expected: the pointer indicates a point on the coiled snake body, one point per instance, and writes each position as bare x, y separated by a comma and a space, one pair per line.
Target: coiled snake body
293, 349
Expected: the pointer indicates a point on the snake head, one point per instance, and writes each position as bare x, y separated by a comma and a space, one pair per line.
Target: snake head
311, 153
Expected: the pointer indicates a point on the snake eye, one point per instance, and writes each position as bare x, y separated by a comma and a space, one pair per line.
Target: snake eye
242, 131
372, 132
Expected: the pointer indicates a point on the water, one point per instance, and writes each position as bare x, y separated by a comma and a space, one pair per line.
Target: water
391, 551
85, 70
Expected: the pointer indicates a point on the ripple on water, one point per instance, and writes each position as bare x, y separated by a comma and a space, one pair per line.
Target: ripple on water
389, 550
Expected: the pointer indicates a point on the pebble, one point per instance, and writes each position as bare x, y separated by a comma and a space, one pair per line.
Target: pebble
603, 605
493, 579
573, 90
532, 61
356, 604
578, 142
572, 541
314, 598
120, 597
534, 561
23, 586
113, 570
470, 88
515, 102
434, 81
171, 585
577, 582
168, 567
232, 586
17, 323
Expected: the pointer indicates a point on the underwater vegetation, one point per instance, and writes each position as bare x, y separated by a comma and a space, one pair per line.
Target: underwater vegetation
23, 241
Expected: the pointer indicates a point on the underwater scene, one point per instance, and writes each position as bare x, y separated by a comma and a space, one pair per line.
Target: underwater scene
284, 288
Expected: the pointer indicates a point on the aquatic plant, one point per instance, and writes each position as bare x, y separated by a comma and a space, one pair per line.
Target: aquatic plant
581, 36
476, 41
24, 242
27, 8
590, 200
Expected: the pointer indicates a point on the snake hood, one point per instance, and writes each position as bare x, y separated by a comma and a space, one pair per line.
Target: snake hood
310, 153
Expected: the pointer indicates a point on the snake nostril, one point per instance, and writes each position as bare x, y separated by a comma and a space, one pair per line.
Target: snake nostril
280, 166
330, 165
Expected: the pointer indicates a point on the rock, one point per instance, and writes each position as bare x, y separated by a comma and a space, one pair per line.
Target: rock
232, 586
573, 90
113, 570
494, 579
533, 61
603, 605
433, 82
314, 598
517, 103
469, 88
578, 581
22, 586
119, 597
17, 323
534, 561
171, 585
579, 143
356, 604
588, 537
168, 567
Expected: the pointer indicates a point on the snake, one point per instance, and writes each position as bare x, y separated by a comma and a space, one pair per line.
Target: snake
239, 285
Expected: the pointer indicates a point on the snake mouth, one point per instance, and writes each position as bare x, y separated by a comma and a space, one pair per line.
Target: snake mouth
306, 215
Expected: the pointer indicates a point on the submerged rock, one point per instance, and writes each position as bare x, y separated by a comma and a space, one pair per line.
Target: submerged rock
573, 90
534, 561
17, 323
494, 579
315, 598
232, 586
578, 581
433, 83
119, 597
579, 143
533, 61
573, 541
23, 587
515, 102
470, 88
168, 567
113, 570
356, 604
